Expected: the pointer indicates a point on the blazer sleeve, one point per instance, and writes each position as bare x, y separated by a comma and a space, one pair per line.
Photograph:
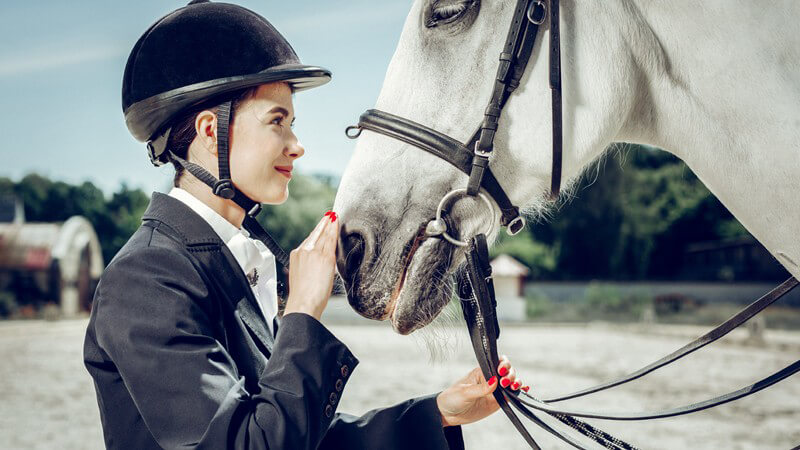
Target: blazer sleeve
413, 424
155, 320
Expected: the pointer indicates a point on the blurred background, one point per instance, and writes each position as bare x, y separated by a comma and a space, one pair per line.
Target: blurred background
642, 248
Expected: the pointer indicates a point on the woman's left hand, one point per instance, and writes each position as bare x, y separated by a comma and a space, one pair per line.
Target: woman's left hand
470, 399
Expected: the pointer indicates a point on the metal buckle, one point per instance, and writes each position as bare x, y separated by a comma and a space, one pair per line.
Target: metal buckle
480, 152
224, 189
254, 210
515, 226
532, 9
438, 227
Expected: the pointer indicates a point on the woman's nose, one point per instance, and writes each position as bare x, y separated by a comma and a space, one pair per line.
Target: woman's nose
295, 149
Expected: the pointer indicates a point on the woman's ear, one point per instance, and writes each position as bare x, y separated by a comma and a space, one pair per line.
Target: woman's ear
205, 125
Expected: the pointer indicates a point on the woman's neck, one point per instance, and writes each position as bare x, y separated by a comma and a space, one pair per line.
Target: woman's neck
229, 210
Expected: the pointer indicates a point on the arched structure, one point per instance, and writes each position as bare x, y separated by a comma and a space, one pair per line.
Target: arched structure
51, 262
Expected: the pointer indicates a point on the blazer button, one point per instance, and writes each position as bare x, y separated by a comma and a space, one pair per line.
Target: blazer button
328, 411
339, 385
333, 398
345, 371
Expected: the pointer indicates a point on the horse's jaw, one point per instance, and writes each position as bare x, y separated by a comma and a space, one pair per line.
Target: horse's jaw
423, 290
409, 290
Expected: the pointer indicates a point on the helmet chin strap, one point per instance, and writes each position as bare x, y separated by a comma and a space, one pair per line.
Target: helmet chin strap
225, 188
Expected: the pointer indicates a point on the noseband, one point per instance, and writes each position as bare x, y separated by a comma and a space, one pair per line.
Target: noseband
476, 288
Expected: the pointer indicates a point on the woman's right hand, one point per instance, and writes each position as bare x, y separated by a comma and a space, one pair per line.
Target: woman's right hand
312, 267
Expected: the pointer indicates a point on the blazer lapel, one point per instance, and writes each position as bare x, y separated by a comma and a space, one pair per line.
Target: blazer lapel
217, 261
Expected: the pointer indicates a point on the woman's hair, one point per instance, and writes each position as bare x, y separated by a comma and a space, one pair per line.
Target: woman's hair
183, 132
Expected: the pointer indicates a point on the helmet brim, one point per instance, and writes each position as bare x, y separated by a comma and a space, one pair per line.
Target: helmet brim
147, 117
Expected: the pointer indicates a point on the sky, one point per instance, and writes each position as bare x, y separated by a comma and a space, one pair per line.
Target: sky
61, 65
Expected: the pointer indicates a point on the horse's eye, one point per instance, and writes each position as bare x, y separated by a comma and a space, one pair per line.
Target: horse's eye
444, 12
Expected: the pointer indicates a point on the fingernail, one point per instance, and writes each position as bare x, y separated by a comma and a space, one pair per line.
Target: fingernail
333, 217
504, 382
503, 371
327, 213
492, 380
526, 388
515, 386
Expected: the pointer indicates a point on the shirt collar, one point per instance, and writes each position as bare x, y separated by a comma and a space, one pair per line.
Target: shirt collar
224, 229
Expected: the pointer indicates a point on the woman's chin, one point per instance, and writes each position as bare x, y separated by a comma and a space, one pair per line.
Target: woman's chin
271, 195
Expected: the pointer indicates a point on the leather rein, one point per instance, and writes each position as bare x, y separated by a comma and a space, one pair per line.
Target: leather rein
475, 285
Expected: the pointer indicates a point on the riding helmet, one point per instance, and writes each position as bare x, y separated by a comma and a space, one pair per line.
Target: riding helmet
202, 51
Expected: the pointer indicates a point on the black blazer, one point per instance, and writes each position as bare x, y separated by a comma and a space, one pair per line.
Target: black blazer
181, 357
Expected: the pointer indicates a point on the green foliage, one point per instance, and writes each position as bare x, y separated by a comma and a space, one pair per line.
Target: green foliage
632, 218
114, 220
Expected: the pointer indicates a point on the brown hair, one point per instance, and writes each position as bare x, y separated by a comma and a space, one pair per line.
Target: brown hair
183, 132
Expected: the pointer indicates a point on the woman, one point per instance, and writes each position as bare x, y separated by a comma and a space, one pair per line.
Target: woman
183, 342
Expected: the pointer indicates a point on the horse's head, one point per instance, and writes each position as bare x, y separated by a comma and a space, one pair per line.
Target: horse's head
441, 76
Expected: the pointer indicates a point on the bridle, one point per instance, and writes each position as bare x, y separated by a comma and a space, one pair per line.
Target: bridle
475, 284
472, 157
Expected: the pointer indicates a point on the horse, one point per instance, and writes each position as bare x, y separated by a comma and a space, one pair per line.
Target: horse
714, 82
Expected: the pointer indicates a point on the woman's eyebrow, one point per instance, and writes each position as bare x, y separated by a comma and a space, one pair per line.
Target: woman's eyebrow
279, 109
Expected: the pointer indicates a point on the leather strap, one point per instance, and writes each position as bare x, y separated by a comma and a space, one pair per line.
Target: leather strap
513, 60
478, 305
780, 375
439, 145
479, 312
555, 90
713, 335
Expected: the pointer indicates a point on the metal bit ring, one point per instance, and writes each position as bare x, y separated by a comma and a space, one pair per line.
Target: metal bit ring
438, 227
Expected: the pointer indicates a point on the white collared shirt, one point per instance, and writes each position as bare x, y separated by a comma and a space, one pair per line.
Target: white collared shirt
252, 255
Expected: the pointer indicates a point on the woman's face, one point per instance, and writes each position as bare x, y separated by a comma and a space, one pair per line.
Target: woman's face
263, 146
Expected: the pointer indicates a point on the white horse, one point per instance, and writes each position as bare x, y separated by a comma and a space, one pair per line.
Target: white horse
715, 82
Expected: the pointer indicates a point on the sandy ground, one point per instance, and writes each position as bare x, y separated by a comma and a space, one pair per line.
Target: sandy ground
47, 399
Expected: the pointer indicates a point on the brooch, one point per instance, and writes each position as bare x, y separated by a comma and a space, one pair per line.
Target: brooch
252, 279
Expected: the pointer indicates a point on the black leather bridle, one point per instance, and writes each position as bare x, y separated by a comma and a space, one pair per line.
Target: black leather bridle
472, 157
475, 284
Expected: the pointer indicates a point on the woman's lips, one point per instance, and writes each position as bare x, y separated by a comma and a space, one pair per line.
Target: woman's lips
284, 170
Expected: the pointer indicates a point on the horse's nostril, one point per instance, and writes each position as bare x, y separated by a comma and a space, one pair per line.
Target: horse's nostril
350, 255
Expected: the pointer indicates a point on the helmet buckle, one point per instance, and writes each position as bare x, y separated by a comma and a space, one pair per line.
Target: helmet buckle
224, 189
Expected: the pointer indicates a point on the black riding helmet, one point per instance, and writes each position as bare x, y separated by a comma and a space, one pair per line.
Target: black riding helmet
167, 73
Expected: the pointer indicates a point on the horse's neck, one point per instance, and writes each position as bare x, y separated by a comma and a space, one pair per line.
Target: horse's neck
715, 83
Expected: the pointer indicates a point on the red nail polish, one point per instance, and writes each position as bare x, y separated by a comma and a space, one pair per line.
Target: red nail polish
504, 382
333, 217
327, 213
503, 371
526, 388
492, 380
515, 386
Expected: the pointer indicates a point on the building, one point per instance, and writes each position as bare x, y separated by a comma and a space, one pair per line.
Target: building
48, 263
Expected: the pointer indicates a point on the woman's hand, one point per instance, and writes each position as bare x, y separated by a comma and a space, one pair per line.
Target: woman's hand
312, 266
470, 399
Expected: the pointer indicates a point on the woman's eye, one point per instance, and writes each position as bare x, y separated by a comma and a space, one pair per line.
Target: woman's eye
444, 12
277, 121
